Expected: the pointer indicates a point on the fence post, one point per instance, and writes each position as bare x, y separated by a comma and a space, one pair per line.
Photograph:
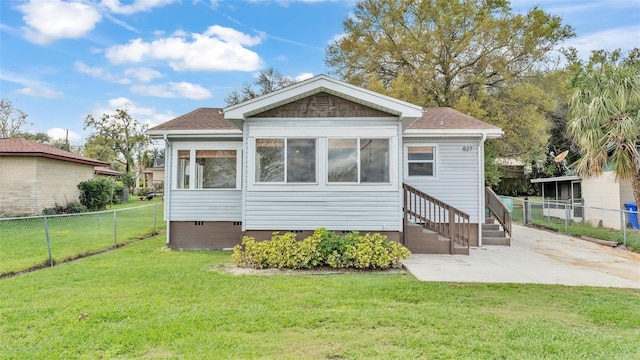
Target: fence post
46, 233
115, 228
566, 218
155, 215
525, 209
624, 228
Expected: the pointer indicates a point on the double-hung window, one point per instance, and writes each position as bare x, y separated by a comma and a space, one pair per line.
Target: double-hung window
285, 160
357, 160
421, 160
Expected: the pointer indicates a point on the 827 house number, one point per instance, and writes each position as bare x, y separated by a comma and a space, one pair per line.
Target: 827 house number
467, 148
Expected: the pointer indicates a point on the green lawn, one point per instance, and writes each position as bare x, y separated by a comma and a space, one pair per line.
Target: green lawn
142, 301
23, 243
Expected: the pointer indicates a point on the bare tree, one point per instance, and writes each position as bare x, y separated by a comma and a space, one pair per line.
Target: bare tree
12, 119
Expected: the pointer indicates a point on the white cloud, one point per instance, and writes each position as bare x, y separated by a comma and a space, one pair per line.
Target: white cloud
39, 92
136, 6
99, 73
50, 20
146, 115
217, 49
143, 74
173, 90
336, 38
303, 76
623, 38
61, 134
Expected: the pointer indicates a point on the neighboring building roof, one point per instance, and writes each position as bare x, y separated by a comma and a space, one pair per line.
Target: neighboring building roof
19, 147
558, 178
199, 119
103, 170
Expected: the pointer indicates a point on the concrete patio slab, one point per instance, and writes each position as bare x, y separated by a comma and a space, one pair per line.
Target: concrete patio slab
534, 257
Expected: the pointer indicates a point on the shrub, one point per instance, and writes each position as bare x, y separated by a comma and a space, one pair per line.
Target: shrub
118, 192
143, 191
95, 194
70, 208
323, 248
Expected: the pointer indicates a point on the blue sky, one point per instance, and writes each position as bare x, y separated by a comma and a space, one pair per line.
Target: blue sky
61, 60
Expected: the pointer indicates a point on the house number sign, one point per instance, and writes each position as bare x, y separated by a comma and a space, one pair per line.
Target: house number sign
467, 148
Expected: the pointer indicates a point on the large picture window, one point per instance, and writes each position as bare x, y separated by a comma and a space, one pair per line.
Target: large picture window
285, 160
215, 169
421, 160
358, 161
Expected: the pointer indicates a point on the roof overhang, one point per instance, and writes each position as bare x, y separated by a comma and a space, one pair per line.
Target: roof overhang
405, 111
160, 134
460, 133
557, 179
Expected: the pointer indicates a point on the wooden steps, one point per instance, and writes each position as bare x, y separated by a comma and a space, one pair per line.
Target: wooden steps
493, 234
422, 241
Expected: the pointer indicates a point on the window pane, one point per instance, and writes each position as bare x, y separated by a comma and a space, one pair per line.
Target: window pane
269, 160
215, 169
374, 160
421, 169
183, 169
343, 160
301, 160
420, 153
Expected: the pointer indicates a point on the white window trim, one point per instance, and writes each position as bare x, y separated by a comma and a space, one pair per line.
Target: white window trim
436, 162
358, 146
322, 183
286, 144
205, 145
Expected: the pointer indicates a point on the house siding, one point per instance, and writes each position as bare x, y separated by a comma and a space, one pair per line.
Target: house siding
457, 181
206, 205
363, 207
293, 210
32, 184
604, 192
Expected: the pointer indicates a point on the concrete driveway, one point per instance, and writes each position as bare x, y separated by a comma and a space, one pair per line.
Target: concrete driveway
534, 257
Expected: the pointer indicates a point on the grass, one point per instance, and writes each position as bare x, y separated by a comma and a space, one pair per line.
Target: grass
23, 242
134, 202
142, 301
579, 228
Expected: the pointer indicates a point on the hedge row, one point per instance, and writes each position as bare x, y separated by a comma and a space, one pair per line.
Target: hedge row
323, 248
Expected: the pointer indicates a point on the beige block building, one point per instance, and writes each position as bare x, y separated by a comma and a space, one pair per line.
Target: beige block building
34, 176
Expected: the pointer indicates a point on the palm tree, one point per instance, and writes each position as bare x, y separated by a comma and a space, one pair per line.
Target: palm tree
604, 122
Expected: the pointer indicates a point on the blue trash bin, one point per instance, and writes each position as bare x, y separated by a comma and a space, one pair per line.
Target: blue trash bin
633, 215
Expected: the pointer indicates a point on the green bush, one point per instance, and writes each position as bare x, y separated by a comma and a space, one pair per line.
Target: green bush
95, 194
323, 248
143, 191
70, 208
118, 192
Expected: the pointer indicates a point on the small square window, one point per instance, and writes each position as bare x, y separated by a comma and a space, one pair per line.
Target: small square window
421, 160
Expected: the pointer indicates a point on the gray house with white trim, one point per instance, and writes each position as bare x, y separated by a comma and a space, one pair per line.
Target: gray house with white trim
322, 153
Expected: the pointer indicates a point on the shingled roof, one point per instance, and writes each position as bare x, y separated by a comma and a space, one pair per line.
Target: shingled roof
199, 119
22, 147
439, 118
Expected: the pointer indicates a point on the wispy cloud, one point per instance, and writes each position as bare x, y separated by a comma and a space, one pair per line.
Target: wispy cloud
623, 38
99, 73
32, 87
173, 90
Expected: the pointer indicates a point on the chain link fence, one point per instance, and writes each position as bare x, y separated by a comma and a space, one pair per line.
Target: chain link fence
40, 241
574, 218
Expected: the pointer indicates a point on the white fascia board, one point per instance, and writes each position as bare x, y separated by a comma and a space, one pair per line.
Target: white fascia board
322, 83
490, 134
159, 134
